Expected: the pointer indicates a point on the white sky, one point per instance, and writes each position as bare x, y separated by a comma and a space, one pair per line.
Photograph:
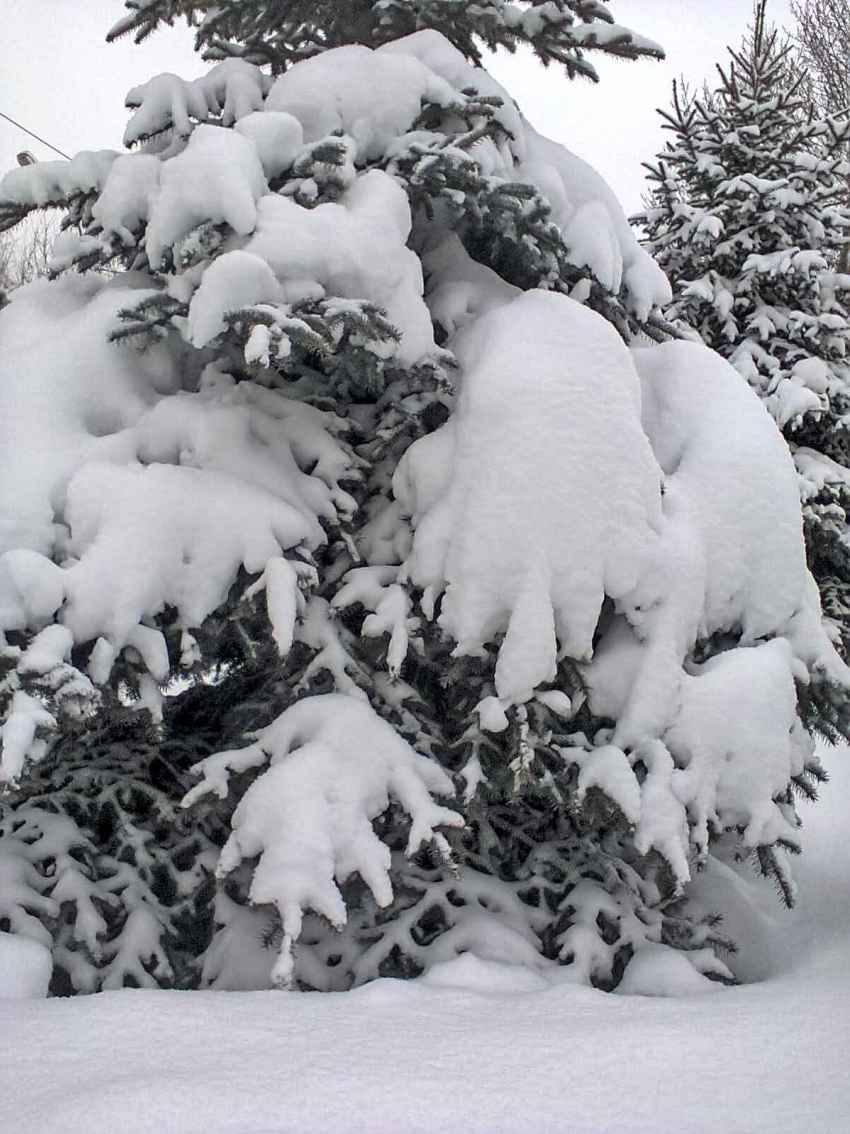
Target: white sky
59, 78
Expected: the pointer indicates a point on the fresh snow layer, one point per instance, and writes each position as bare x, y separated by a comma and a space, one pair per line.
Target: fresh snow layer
523, 539
476, 1043
373, 98
143, 495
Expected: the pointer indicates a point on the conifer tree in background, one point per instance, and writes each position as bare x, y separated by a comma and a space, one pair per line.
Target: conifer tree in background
748, 216
370, 591
822, 41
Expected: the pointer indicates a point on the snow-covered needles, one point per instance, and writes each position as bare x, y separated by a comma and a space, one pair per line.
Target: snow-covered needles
335, 766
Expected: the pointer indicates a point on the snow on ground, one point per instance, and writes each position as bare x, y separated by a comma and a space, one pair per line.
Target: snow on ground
475, 1047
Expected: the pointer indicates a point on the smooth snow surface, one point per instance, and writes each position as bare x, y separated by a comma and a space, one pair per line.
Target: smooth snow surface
476, 1047
25, 967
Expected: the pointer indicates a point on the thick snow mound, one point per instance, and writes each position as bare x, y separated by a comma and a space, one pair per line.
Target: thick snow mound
658, 970
218, 177
373, 96
524, 541
728, 467
26, 967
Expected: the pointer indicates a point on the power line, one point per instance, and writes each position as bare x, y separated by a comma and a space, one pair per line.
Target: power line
26, 131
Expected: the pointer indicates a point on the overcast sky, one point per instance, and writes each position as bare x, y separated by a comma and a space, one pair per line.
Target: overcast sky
59, 78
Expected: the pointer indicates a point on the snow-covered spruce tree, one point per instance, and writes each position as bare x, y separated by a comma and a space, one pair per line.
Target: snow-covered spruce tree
746, 216
493, 622
278, 33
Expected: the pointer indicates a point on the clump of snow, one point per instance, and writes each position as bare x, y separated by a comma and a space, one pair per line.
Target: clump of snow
228, 92
658, 970
278, 137
335, 765
124, 200
523, 539
738, 760
233, 281
26, 967
48, 649
356, 248
816, 471
19, 734
49, 182
218, 177
373, 96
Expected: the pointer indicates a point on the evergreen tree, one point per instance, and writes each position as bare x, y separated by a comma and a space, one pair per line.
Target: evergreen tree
354, 615
747, 216
280, 32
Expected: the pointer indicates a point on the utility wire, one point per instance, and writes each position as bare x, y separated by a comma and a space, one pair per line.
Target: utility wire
26, 131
